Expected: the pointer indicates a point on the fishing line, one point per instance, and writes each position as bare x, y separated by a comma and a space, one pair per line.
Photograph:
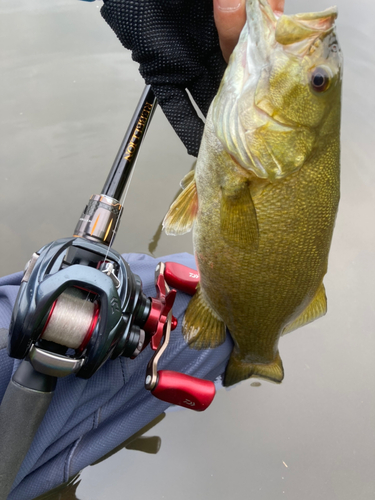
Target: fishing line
122, 201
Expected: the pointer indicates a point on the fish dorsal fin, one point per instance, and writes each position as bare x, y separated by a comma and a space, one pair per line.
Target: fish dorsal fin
181, 215
238, 218
316, 309
202, 328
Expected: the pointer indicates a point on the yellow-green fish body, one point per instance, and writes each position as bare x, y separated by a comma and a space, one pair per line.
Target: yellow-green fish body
265, 191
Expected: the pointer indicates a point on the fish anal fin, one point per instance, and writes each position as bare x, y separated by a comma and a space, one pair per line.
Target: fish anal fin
238, 370
201, 326
316, 309
238, 218
181, 215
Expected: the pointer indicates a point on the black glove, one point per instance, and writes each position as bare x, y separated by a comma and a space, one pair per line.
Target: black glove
177, 46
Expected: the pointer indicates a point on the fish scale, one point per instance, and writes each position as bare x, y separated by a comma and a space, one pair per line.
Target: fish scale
267, 199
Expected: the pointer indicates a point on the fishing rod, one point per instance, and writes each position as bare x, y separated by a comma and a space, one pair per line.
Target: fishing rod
79, 304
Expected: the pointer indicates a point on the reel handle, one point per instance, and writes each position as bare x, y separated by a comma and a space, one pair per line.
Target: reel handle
174, 387
181, 277
184, 390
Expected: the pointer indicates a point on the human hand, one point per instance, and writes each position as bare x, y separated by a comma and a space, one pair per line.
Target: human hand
230, 17
176, 45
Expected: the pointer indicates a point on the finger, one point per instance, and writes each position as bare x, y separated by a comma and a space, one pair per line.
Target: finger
230, 17
277, 6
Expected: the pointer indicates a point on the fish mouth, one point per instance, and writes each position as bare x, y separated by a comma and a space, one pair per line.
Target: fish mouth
259, 33
297, 34
250, 57
294, 33
240, 107
300, 27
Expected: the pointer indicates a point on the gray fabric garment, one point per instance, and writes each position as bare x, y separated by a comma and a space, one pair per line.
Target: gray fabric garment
3, 338
88, 418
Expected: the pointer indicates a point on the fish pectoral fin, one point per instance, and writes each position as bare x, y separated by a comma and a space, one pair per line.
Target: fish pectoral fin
316, 309
189, 177
238, 370
201, 327
181, 215
238, 218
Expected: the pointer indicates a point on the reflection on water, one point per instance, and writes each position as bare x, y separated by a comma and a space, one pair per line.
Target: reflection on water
155, 239
137, 442
153, 245
67, 491
68, 91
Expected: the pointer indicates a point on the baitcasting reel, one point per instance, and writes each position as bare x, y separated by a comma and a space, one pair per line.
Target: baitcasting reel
81, 296
79, 304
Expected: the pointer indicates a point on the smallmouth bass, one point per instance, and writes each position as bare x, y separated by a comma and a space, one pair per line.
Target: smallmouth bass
264, 194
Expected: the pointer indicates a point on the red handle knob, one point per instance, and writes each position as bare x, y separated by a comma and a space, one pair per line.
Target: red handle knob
181, 277
184, 390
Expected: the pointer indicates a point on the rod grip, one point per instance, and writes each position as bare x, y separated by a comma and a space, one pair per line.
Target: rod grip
21, 413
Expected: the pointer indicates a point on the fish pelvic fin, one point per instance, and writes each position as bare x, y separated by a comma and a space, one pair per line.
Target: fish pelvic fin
181, 215
238, 218
316, 309
238, 370
201, 327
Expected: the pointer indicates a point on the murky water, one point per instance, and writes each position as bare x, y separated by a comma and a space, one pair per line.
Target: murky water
68, 91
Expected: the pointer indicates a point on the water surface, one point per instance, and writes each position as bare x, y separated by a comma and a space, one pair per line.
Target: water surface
68, 90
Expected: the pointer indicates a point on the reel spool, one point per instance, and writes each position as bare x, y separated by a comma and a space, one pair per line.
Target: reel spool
72, 319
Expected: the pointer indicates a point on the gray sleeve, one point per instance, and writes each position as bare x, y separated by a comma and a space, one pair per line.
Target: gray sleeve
88, 418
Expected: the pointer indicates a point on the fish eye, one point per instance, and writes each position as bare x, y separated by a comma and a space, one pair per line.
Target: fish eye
320, 79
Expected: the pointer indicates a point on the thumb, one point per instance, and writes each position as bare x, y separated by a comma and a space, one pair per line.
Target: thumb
277, 6
230, 17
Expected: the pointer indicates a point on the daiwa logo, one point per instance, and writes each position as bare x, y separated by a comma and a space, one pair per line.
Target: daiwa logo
115, 305
188, 402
